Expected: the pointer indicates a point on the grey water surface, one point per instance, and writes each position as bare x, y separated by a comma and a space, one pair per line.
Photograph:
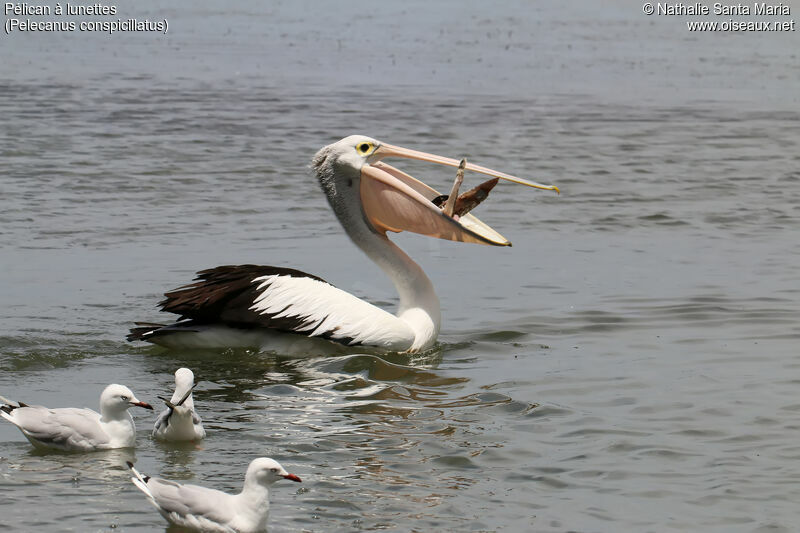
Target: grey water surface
632, 363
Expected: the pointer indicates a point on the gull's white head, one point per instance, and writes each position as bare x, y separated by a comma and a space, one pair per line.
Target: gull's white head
184, 381
184, 378
266, 471
118, 398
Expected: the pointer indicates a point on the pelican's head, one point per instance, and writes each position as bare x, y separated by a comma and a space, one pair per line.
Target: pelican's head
391, 200
354, 152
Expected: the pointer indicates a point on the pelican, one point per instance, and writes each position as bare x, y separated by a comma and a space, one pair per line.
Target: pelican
275, 308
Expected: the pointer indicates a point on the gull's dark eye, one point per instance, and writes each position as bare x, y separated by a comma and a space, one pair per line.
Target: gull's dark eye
124, 398
273, 470
364, 148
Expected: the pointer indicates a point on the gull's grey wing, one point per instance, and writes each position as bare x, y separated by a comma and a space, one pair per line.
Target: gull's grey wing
191, 500
61, 428
163, 419
164, 416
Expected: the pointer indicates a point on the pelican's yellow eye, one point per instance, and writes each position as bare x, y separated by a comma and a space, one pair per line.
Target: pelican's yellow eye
365, 148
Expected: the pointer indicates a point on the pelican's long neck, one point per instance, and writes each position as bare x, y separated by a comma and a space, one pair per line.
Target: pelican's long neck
419, 305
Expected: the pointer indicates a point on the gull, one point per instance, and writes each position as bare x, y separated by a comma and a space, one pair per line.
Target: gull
179, 421
78, 430
205, 509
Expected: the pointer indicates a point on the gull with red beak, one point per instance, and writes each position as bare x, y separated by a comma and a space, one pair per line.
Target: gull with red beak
204, 509
78, 430
273, 307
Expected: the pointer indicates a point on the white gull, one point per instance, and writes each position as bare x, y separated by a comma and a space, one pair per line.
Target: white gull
179, 421
205, 509
79, 430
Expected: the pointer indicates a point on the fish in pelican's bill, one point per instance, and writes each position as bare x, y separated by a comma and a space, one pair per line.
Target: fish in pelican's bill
289, 311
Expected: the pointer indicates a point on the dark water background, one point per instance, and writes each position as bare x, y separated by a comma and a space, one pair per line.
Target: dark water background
631, 364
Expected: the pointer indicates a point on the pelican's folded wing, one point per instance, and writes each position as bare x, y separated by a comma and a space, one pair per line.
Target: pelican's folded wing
287, 300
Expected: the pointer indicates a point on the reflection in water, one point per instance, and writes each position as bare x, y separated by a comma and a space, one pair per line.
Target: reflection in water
102, 465
178, 458
37, 486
